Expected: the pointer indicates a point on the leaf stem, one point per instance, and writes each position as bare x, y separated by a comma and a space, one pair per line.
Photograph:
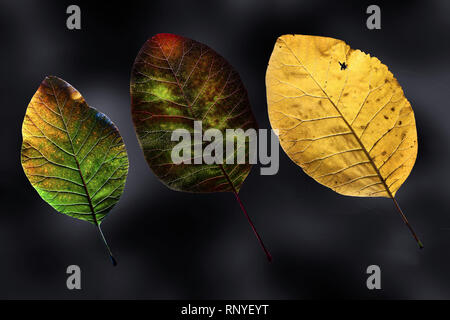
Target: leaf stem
268, 255
113, 260
405, 220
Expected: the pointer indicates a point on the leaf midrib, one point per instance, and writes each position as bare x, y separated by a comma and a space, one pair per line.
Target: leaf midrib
346, 122
220, 166
91, 207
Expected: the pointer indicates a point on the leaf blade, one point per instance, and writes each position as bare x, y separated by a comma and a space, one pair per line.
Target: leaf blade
69, 151
176, 81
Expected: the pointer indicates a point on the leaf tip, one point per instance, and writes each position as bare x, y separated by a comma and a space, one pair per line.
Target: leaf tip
166, 37
50, 77
53, 79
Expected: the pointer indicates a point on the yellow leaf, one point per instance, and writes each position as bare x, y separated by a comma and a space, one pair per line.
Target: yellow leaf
341, 115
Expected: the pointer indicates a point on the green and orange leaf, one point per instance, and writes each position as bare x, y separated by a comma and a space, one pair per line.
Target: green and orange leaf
72, 154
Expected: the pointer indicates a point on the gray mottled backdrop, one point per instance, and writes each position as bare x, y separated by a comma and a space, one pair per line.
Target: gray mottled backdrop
177, 245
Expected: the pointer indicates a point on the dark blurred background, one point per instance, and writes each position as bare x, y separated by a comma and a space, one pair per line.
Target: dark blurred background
173, 245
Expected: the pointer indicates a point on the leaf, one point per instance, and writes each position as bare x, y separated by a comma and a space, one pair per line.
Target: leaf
174, 82
342, 116
72, 154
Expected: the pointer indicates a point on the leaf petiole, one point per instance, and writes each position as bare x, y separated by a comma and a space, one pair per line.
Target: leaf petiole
111, 256
405, 220
268, 255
